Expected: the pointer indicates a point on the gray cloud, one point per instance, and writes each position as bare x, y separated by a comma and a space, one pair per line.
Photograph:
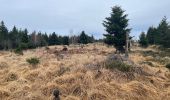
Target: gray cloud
63, 15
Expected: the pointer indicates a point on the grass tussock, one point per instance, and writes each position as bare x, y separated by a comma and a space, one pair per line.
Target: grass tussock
116, 64
33, 61
11, 77
3, 65
18, 51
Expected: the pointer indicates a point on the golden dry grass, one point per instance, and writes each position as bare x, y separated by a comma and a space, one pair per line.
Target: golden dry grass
75, 73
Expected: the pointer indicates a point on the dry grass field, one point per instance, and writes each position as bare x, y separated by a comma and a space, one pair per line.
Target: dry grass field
79, 75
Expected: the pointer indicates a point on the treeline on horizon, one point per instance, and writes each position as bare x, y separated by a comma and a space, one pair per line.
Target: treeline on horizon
159, 35
22, 39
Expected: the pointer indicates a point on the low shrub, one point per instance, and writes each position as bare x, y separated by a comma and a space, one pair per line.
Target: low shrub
168, 66
18, 51
33, 61
116, 64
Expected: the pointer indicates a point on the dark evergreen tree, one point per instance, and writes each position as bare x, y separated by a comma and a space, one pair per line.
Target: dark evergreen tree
13, 37
117, 27
151, 34
45, 37
53, 39
65, 40
90, 39
83, 38
160, 35
24, 36
3, 36
31, 44
60, 40
143, 40
20, 40
109, 39
162, 32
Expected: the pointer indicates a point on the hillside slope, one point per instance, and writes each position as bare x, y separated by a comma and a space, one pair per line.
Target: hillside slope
79, 75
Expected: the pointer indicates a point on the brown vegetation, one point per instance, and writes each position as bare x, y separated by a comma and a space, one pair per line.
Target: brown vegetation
80, 74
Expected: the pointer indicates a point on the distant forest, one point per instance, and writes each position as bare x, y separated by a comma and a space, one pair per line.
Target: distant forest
159, 35
118, 31
22, 39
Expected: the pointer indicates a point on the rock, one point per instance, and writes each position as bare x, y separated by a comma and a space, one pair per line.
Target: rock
56, 94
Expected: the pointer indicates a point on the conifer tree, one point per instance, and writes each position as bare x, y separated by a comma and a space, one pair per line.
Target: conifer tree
65, 40
117, 27
83, 38
162, 32
3, 36
151, 34
24, 36
53, 39
13, 36
143, 40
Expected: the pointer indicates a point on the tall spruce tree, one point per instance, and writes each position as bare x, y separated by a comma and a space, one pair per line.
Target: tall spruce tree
117, 27
65, 40
24, 36
53, 39
143, 40
83, 38
13, 36
151, 34
45, 36
3, 36
161, 31
160, 35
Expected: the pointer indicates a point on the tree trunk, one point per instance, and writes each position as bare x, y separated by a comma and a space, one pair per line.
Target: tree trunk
127, 43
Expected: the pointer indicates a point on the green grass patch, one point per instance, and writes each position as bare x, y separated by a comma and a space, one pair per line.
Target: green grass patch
33, 61
115, 64
18, 51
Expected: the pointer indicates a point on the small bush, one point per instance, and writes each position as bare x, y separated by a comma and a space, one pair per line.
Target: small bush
168, 66
116, 64
33, 61
18, 51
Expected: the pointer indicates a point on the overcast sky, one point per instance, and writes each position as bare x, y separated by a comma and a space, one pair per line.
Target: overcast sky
62, 16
